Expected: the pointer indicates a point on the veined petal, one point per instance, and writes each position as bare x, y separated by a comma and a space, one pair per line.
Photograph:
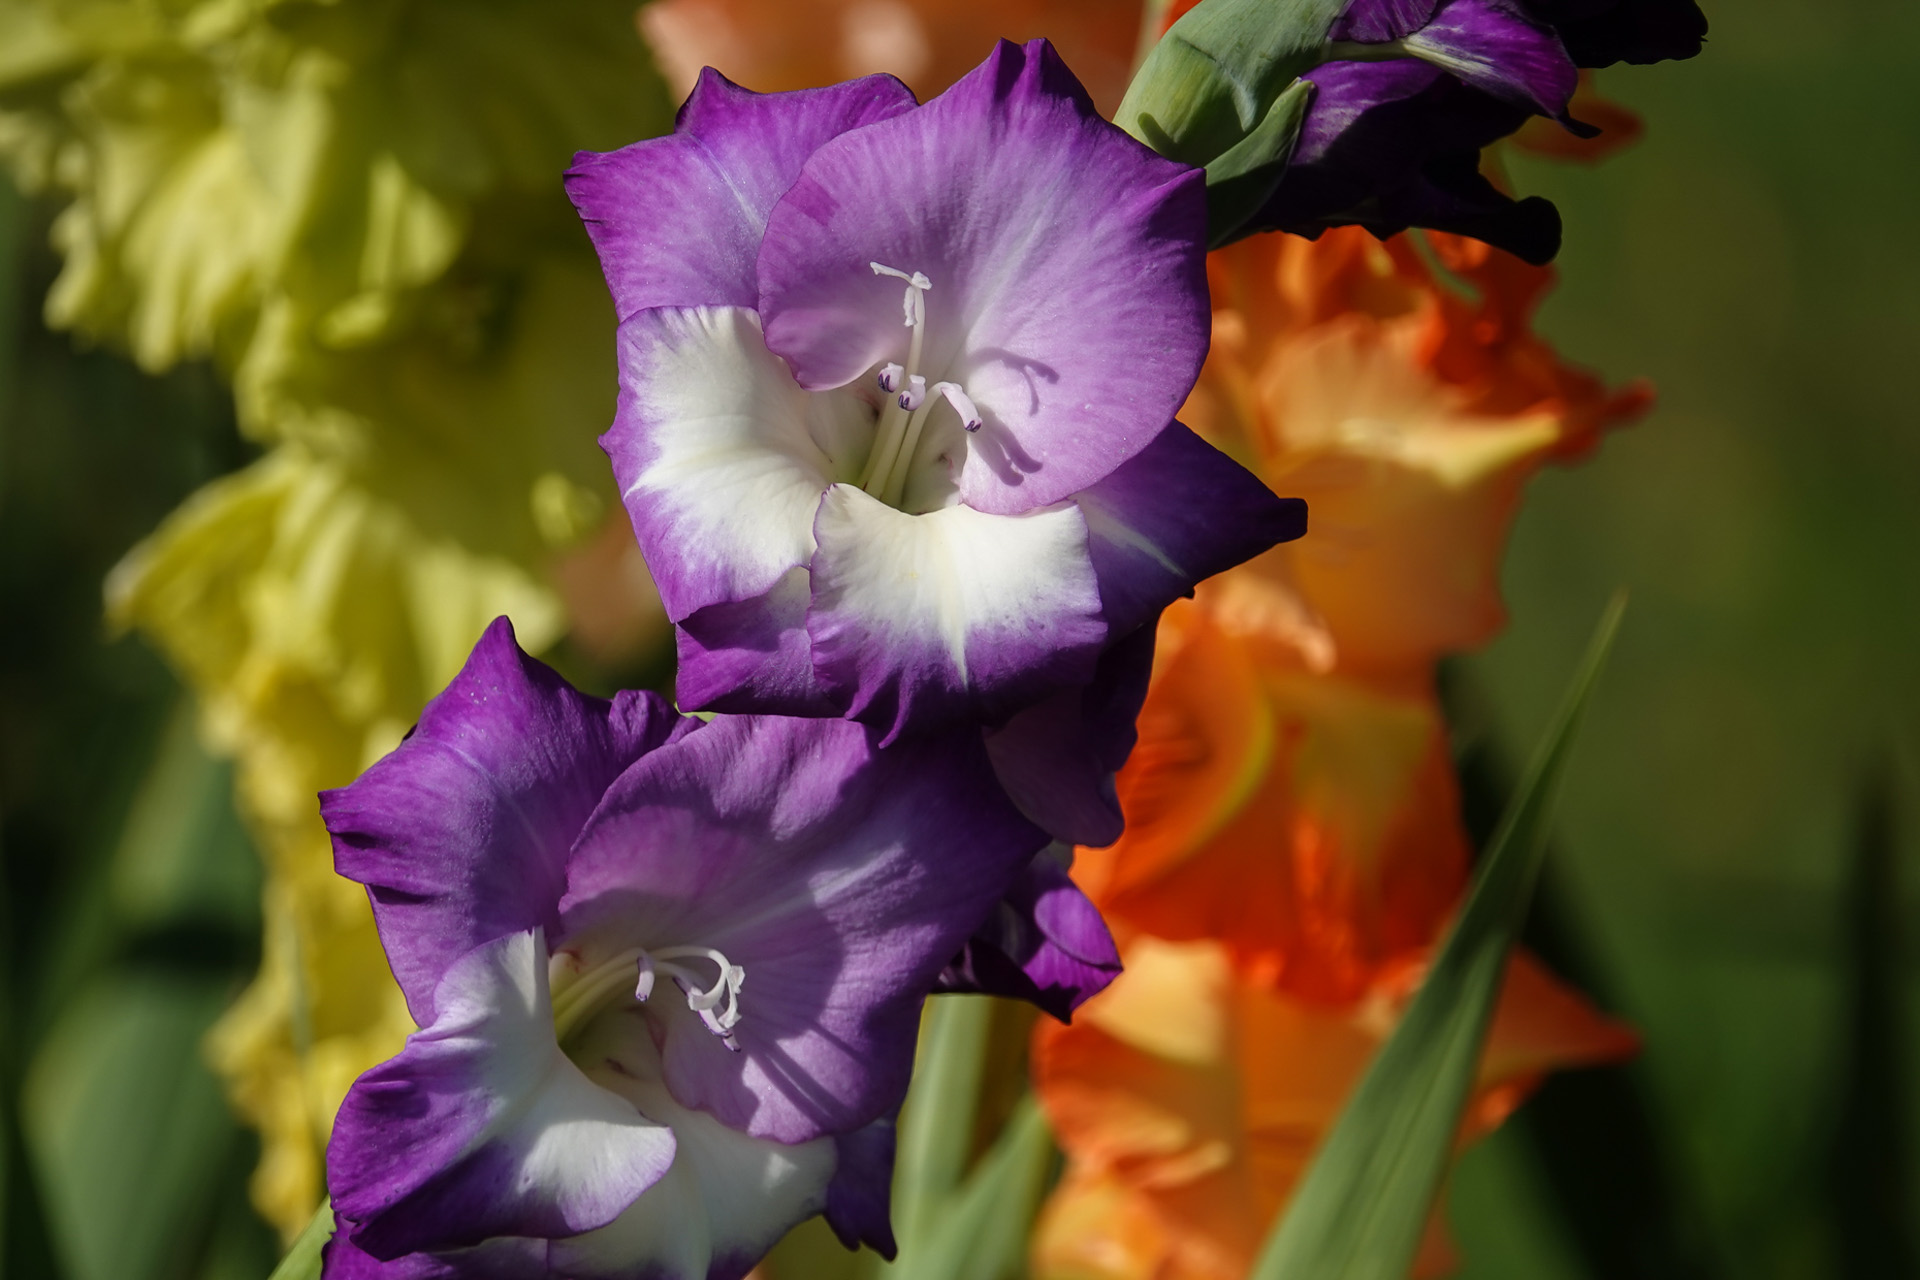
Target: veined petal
341, 1259
1379, 21
503, 1258
728, 1198
1392, 145
840, 877
860, 1197
1046, 943
1068, 294
678, 220
720, 457
481, 1127
461, 834
1057, 758
1176, 513
752, 656
1494, 46
952, 614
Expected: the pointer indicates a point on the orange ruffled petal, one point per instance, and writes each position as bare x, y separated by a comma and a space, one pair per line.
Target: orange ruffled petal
1400, 389
1308, 823
1190, 1099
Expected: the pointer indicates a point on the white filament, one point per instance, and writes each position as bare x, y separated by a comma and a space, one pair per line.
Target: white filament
897, 435
718, 1004
962, 404
703, 1002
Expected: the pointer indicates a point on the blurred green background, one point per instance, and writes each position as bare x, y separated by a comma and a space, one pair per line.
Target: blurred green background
129, 904
1736, 856
1736, 860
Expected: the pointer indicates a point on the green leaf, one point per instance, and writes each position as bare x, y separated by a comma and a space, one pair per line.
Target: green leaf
936, 1125
982, 1232
303, 1260
1212, 80
1869, 1181
127, 1129
1245, 178
184, 857
952, 1223
1362, 1208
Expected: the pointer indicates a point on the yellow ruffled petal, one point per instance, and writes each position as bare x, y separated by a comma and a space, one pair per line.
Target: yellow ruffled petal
314, 619
360, 219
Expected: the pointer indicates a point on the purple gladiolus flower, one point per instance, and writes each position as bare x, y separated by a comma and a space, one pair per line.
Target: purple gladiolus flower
896, 404
667, 975
1414, 89
1046, 943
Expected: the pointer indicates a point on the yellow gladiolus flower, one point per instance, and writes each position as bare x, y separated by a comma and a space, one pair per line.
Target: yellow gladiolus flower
354, 210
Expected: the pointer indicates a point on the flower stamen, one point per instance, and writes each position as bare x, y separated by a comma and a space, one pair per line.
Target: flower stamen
961, 402
704, 1001
585, 994
896, 437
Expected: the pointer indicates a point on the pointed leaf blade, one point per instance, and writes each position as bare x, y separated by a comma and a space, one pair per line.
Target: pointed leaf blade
1362, 1208
982, 1228
303, 1259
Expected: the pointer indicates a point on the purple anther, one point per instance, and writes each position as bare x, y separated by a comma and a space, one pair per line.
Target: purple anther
962, 404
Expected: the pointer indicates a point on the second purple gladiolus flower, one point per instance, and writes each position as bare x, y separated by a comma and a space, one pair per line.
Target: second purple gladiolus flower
668, 975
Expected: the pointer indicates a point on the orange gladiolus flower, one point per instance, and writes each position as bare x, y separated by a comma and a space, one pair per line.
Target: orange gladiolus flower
1408, 413
1190, 1098
1307, 822
1293, 849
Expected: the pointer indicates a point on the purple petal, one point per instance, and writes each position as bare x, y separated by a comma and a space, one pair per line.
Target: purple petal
1346, 92
1176, 513
481, 1127
1047, 944
720, 457
752, 656
860, 1197
1068, 297
1392, 145
678, 220
1381, 21
726, 1201
840, 877
1493, 46
1057, 758
1599, 34
950, 615
461, 833
341, 1259
499, 1259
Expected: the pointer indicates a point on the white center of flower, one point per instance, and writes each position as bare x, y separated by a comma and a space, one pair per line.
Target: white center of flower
897, 437
588, 993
